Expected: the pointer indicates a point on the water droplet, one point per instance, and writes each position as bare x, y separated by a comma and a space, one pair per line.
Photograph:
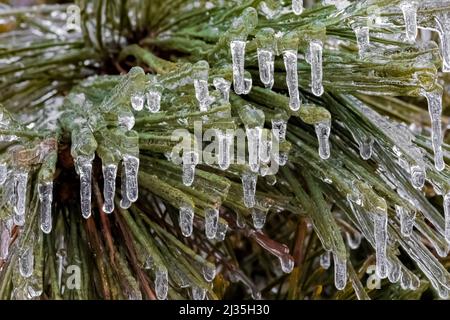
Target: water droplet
286, 262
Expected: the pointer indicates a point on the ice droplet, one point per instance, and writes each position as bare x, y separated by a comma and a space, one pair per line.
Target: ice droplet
394, 271
198, 293
407, 218
253, 138
363, 40
241, 84
409, 9
225, 141
186, 220
190, 161
223, 86
325, 260
259, 218
323, 130
365, 148
20, 186
266, 66
353, 240
209, 272
315, 59
340, 272
380, 221
297, 6
84, 168
3, 173
211, 222
290, 63
153, 101
279, 128
125, 203
265, 146
417, 177
26, 262
161, 283
249, 180
109, 187
131, 166
447, 216
222, 229
434, 99
126, 120
443, 26
286, 262
46, 198
202, 94
137, 101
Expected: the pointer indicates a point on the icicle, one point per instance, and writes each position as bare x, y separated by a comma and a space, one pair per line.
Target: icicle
241, 84
406, 220
314, 58
290, 63
137, 101
323, 134
279, 127
161, 283
297, 6
286, 262
249, 181
443, 27
409, 9
222, 229
254, 137
125, 203
186, 220
26, 262
126, 120
211, 222
365, 148
223, 86
325, 260
225, 141
353, 241
259, 218
209, 272
46, 199
394, 271
265, 148
153, 101
434, 99
131, 166
363, 40
266, 66
200, 76
380, 221
447, 216
109, 187
20, 186
84, 168
190, 160
417, 177
3, 173
5, 239
198, 293
340, 272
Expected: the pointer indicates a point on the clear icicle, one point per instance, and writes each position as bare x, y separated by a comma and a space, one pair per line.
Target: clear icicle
266, 67
153, 101
3, 173
380, 221
46, 198
394, 271
279, 127
109, 187
447, 216
126, 120
202, 94
315, 59
223, 86
190, 161
125, 203
340, 272
363, 40
137, 101
323, 130
84, 168
353, 240
434, 99
186, 220
26, 262
409, 9
241, 84
209, 272
417, 177
290, 63
222, 229
211, 222
265, 146
443, 26
20, 183
259, 218
297, 6
407, 219
198, 293
225, 141
286, 263
249, 180
325, 260
253, 138
5, 239
131, 166
161, 283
